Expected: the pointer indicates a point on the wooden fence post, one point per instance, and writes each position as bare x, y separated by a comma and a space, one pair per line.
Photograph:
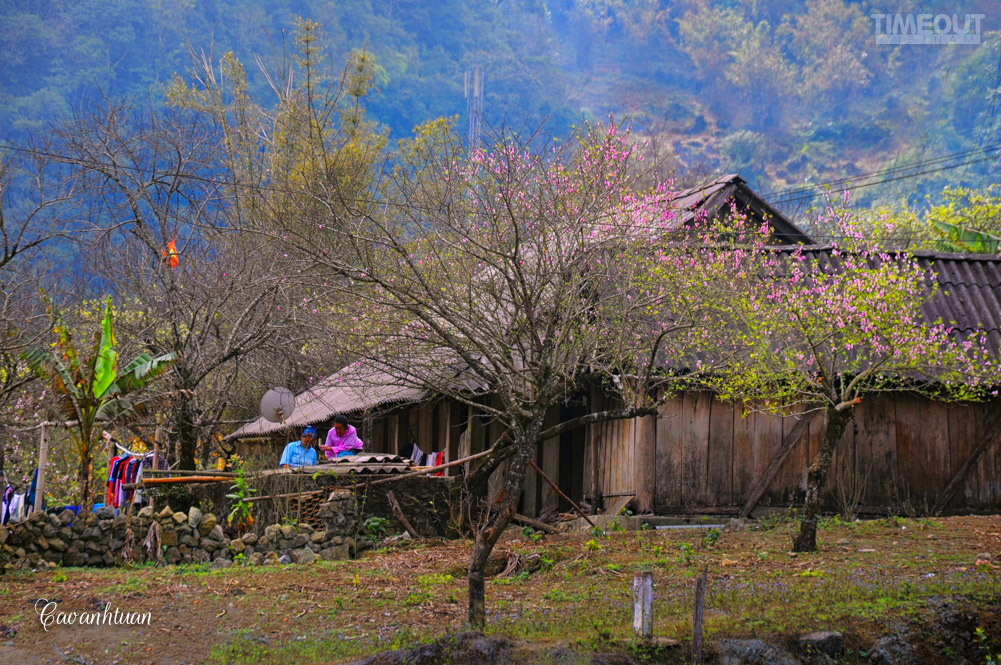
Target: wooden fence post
700, 604
643, 604
43, 453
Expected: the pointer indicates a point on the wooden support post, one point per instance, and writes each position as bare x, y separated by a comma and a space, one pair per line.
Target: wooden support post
157, 440
646, 462
400, 517
643, 604
992, 434
788, 443
700, 605
560, 492
43, 454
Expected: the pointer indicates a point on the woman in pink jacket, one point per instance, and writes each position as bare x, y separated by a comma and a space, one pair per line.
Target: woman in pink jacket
342, 440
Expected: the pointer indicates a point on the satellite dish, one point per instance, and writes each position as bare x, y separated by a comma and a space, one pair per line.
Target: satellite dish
277, 404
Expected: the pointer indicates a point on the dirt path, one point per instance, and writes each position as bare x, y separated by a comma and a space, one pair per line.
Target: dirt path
564, 588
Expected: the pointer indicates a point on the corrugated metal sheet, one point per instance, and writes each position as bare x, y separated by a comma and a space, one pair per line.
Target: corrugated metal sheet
350, 390
710, 199
968, 293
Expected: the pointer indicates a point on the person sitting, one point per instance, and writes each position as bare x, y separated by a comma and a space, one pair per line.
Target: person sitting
342, 440
301, 452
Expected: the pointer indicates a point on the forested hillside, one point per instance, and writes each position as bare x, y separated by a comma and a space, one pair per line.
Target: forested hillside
785, 93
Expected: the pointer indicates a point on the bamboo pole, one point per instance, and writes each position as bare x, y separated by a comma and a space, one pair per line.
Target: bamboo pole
175, 481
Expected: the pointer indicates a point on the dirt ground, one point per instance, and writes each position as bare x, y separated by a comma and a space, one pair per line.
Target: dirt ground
868, 578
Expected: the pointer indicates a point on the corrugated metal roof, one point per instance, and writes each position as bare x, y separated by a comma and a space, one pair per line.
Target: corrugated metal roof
352, 389
709, 199
968, 294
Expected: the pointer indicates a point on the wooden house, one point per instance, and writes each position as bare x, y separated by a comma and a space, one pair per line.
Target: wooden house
700, 455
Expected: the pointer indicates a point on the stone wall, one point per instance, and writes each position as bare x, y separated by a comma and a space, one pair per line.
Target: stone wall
101, 539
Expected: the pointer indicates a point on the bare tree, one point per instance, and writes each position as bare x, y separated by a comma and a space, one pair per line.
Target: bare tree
188, 282
509, 280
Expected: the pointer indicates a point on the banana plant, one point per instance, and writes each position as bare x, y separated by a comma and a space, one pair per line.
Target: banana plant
92, 389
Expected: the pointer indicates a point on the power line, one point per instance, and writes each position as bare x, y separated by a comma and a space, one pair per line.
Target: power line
812, 195
989, 149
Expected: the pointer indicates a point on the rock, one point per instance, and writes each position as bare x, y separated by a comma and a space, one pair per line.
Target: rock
146, 512
194, 517
288, 532
318, 536
271, 558
199, 556
48, 530
180, 518
105, 513
237, 546
41, 543
166, 513
299, 541
256, 559
66, 517
334, 553
305, 556
210, 545
108, 559
168, 537
94, 546
119, 522
825, 641
220, 563
751, 652
217, 533
188, 540
305, 528
66, 533
3, 534
91, 519
271, 532
74, 557
249, 538
893, 651
57, 544
285, 558
207, 524
104, 525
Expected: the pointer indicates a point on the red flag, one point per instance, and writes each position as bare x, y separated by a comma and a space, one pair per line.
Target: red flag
170, 254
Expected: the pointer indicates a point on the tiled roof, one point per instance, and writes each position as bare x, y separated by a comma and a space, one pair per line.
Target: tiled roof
350, 390
710, 199
968, 295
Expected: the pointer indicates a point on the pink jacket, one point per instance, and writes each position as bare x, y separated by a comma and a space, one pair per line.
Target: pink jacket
349, 441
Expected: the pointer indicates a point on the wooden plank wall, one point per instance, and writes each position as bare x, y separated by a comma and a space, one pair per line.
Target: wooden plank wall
901, 449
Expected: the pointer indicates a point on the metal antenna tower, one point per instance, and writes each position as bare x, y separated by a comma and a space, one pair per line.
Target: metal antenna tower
473, 92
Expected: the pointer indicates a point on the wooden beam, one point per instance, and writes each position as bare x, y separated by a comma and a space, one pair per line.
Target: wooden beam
541, 526
400, 517
788, 443
560, 492
992, 434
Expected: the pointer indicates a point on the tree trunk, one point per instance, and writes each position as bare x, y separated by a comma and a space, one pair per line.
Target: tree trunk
186, 438
492, 527
83, 477
837, 422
